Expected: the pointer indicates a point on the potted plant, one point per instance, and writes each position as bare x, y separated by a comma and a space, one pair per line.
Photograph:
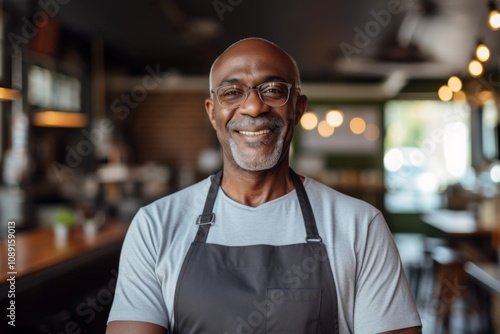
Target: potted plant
64, 219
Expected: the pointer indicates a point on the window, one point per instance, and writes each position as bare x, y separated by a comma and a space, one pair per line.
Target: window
426, 148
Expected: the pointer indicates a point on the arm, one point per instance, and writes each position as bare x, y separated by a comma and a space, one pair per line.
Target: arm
134, 327
384, 302
138, 296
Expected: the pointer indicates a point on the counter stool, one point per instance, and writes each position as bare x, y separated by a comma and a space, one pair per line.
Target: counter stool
453, 289
428, 271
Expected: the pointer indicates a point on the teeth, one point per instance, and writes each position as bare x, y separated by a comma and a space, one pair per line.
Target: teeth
258, 133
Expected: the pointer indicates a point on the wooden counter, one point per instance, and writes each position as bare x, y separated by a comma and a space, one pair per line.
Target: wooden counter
62, 286
37, 250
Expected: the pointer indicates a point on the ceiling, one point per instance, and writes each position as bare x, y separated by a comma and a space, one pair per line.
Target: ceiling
357, 40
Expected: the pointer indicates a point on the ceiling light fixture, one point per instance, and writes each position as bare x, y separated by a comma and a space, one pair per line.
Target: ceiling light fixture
60, 119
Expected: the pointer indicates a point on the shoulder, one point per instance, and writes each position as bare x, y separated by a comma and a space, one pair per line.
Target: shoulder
326, 197
188, 198
164, 216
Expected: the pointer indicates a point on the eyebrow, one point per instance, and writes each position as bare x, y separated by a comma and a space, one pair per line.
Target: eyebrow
270, 78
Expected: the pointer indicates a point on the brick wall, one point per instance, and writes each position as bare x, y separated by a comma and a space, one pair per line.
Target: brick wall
170, 128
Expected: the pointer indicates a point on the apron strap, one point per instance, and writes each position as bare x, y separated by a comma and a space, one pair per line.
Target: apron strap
305, 206
207, 218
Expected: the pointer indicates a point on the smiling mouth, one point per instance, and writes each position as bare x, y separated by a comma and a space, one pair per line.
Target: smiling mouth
255, 133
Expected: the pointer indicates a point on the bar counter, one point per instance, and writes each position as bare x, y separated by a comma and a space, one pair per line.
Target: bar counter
61, 288
38, 250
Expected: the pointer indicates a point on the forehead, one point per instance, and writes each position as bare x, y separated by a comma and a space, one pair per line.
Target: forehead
252, 62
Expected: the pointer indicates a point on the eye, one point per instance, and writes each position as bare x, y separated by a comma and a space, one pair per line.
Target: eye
272, 89
230, 92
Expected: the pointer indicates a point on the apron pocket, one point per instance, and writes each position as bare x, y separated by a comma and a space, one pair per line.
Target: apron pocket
293, 311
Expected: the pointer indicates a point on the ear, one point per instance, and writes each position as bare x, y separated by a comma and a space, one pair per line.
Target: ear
209, 107
300, 108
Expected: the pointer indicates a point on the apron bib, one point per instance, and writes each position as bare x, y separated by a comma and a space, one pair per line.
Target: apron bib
256, 289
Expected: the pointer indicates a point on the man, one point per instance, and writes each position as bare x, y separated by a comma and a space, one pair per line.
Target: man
256, 248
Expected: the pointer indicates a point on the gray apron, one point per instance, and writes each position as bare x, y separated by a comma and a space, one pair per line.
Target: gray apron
256, 289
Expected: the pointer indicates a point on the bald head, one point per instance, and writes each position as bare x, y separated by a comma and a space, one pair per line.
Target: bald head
252, 46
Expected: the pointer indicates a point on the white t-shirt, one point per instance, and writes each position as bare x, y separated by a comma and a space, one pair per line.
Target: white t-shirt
372, 290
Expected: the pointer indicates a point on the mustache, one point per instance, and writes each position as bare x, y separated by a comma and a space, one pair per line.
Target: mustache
270, 122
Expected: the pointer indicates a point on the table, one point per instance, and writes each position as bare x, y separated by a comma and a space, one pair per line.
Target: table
461, 229
476, 245
486, 273
454, 222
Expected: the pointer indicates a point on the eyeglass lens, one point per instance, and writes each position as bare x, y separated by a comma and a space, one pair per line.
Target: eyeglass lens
274, 94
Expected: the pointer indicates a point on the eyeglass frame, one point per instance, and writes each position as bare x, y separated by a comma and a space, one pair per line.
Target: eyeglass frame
256, 88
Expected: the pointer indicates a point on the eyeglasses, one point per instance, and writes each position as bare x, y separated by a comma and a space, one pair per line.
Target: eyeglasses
274, 94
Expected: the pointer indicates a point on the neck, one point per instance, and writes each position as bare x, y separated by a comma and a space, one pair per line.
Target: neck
254, 188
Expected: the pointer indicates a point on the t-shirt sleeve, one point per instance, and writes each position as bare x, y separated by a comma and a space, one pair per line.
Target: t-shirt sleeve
383, 299
138, 294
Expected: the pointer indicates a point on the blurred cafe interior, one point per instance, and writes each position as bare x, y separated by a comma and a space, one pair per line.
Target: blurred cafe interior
102, 112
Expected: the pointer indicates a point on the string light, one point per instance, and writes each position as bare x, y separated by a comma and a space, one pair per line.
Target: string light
482, 52
445, 93
493, 17
475, 68
309, 120
325, 130
460, 97
454, 83
335, 118
357, 125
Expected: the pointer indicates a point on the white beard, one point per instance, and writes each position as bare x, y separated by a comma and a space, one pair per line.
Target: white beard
248, 159
255, 162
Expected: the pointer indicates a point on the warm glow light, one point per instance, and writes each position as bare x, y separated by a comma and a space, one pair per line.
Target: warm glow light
335, 118
357, 125
372, 132
309, 120
7, 94
485, 95
454, 83
325, 130
494, 19
460, 97
60, 119
445, 93
475, 68
482, 52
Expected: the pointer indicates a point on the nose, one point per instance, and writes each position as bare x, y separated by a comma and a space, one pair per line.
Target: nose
252, 105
